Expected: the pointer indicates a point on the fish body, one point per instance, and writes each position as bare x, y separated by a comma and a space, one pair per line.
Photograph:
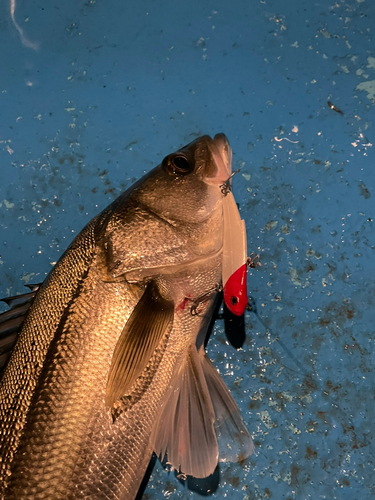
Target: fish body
110, 363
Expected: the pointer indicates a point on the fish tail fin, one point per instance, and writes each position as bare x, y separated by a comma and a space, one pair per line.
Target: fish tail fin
198, 409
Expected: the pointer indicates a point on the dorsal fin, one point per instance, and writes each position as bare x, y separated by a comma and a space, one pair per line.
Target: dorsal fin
34, 287
18, 300
11, 322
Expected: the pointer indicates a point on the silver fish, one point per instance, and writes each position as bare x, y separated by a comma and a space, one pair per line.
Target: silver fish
110, 363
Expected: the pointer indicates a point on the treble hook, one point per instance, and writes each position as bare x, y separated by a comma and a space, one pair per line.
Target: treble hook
253, 260
226, 187
194, 311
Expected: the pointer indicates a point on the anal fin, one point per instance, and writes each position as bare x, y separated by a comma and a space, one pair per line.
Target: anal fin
185, 430
200, 421
235, 443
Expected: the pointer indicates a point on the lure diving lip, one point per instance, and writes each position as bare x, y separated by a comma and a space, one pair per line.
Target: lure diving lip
234, 258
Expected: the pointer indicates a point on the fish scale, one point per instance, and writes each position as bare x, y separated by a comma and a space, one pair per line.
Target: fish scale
110, 349
16, 389
130, 430
53, 422
88, 338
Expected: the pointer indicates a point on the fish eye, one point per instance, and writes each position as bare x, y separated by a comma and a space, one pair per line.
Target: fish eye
178, 164
181, 164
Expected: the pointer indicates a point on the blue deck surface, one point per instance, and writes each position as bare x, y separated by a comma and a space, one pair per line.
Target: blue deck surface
94, 94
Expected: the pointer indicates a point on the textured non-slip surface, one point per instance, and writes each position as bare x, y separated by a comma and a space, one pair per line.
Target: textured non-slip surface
94, 94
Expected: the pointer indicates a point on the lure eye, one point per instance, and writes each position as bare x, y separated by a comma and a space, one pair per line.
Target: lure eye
234, 300
178, 164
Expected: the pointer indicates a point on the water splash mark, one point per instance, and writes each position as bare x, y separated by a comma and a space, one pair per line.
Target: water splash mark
368, 87
25, 41
314, 382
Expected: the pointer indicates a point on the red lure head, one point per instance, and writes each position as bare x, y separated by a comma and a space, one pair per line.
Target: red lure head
235, 291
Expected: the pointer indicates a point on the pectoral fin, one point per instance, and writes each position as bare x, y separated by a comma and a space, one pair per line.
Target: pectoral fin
149, 322
185, 430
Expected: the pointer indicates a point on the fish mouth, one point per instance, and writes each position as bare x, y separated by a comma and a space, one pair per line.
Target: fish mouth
221, 158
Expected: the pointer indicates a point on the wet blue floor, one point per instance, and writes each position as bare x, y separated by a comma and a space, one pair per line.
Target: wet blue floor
93, 94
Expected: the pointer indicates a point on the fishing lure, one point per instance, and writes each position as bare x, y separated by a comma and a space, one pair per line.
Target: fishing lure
234, 268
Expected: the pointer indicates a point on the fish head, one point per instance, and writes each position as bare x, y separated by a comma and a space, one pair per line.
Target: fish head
175, 212
186, 186
207, 159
